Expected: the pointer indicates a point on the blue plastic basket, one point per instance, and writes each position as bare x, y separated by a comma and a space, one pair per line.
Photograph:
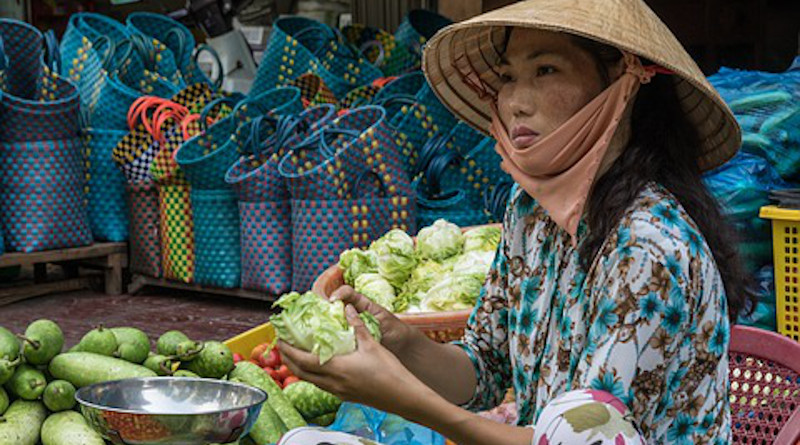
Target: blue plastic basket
415, 30
105, 187
217, 238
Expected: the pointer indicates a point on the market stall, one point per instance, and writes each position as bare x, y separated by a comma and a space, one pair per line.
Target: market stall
129, 154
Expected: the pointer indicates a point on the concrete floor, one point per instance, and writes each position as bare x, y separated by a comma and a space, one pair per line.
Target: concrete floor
201, 317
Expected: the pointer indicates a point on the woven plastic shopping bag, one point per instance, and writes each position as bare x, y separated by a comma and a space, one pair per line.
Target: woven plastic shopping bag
177, 46
41, 186
298, 45
145, 229
206, 157
416, 29
105, 186
218, 249
323, 229
264, 205
313, 90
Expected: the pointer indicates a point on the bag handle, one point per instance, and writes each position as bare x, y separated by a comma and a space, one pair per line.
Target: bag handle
209, 49
52, 53
372, 44
445, 200
438, 165
209, 107
431, 149
496, 200
146, 49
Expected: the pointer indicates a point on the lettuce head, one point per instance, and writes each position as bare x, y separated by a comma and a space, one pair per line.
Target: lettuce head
440, 241
455, 292
314, 324
395, 256
376, 288
484, 238
355, 262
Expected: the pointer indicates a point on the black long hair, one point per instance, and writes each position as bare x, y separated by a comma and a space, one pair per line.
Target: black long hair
663, 148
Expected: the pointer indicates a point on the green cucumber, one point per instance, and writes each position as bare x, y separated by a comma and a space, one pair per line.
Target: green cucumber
22, 422
310, 400
4, 401
99, 341
214, 361
69, 428
86, 368
132, 344
59, 395
43, 341
252, 375
9, 345
27, 383
168, 343
269, 427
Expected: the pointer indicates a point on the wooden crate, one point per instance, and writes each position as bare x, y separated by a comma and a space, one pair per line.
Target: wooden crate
107, 258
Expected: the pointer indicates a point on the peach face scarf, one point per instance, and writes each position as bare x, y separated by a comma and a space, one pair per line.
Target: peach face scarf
558, 170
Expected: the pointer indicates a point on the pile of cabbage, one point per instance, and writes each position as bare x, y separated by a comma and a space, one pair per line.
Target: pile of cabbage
444, 271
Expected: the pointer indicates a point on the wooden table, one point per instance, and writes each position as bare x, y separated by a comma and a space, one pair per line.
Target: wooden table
109, 258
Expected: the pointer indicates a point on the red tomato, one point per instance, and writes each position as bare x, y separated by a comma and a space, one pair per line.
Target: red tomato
237, 358
274, 374
271, 359
283, 372
291, 379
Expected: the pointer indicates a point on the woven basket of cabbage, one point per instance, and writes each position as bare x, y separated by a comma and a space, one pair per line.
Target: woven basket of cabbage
431, 281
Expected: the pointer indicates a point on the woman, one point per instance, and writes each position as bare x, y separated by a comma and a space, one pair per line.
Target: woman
608, 306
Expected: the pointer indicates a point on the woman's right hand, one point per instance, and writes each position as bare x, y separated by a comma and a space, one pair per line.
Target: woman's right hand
396, 335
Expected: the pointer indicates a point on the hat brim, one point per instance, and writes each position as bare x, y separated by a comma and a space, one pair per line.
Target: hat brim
475, 46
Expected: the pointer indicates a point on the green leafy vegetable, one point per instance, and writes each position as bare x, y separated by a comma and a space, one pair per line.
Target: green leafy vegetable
455, 292
475, 264
311, 323
376, 288
356, 262
395, 255
440, 241
485, 238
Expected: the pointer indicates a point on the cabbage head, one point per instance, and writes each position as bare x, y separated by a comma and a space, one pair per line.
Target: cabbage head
440, 241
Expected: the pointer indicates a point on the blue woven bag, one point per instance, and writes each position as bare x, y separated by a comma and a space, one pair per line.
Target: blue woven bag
380, 48
177, 45
264, 207
105, 187
326, 165
415, 30
217, 239
453, 206
87, 48
323, 229
41, 188
299, 45
207, 157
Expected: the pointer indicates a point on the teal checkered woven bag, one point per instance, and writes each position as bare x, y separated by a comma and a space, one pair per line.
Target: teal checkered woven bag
177, 46
415, 30
217, 239
105, 186
207, 157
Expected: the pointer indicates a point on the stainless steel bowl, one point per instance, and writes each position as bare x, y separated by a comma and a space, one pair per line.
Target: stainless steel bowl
170, 410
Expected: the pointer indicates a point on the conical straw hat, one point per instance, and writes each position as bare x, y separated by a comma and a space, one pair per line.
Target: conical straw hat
472, 49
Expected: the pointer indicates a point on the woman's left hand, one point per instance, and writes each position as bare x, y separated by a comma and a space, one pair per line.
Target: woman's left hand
370, 375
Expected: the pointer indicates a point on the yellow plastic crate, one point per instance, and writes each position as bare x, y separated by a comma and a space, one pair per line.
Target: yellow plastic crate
246, 341
786, 254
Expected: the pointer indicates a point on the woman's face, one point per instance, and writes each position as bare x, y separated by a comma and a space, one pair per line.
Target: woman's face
546, 79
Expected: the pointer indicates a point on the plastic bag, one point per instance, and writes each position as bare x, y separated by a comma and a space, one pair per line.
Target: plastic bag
767, 107
382, 427
742, 187
764, 314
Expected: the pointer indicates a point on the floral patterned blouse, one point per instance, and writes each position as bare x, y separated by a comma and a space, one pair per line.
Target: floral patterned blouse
647, 323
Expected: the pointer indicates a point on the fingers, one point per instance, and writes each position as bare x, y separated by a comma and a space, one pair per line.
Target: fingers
348, 295
342, 293
304, 360
362, 333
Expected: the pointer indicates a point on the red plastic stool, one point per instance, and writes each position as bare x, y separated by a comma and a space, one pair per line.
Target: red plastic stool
765, 387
